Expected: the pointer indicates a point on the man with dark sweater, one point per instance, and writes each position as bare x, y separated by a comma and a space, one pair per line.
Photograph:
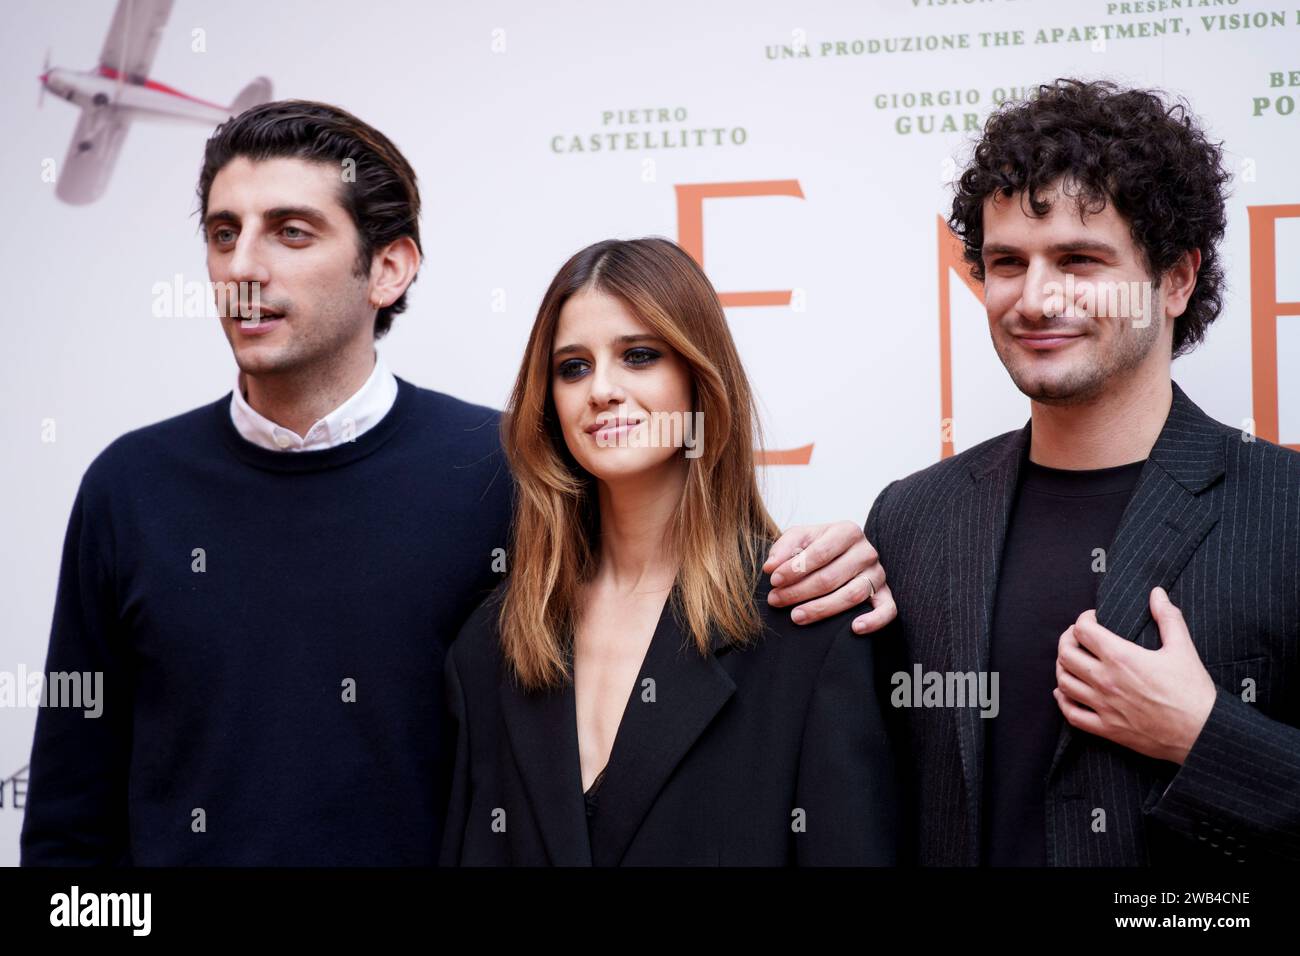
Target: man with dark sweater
1121, 572
268, 584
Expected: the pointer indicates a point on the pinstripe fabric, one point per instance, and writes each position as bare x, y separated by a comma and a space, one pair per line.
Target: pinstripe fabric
1215, 520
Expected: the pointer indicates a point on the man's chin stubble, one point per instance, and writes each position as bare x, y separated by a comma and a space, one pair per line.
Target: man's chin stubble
1076, 387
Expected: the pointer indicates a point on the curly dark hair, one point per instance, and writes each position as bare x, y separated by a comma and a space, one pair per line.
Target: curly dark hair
1124, 146
382, 198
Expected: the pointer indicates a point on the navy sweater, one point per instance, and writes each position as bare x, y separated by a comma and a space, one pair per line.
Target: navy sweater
277, 696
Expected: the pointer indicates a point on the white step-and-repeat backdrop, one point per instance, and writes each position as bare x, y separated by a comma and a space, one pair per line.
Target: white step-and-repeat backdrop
802, 150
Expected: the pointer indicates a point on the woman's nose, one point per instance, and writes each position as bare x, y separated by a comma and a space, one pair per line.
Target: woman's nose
605, 387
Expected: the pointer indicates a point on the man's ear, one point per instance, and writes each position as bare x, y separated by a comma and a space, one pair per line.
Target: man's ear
392, 269
1180, 282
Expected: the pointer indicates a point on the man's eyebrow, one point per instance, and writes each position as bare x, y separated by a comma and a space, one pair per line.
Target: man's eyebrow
310, 213
1073, 245
621, 340
1085, 245
997, 249
221, 215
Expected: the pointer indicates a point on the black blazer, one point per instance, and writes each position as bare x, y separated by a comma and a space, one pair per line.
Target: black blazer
1215, 521
712, 772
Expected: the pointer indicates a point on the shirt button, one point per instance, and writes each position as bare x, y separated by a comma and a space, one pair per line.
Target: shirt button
282, 439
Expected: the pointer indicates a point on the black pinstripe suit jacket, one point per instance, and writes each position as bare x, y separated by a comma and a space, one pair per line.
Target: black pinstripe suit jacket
1215, 520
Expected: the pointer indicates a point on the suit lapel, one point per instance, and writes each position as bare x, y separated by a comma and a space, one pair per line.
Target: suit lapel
543, 734
688, 691
977, 527
1162, 525
677, 694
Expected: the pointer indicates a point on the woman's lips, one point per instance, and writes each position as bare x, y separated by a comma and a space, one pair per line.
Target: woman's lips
612, 432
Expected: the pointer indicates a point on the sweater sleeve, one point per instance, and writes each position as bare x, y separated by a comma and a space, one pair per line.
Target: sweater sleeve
76, 813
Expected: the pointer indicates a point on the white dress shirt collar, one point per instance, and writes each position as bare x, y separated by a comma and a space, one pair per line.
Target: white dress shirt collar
350, 420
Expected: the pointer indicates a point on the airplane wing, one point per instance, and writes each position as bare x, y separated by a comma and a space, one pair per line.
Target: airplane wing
133, 37
95, 144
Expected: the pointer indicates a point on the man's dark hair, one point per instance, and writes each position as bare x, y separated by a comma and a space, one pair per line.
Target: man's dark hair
1108, 144
379, 190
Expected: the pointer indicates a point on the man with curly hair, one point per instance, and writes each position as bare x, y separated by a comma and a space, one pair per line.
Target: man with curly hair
1124, 565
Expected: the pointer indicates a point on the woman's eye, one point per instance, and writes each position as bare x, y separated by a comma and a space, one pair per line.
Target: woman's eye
570, 370
640, 356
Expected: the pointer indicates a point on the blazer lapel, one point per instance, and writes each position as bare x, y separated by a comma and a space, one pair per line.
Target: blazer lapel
543, 732
1162, 525
677, 694
977, 527
688, 690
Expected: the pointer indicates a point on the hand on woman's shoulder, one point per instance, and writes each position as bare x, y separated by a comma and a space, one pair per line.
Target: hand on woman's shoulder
808, 639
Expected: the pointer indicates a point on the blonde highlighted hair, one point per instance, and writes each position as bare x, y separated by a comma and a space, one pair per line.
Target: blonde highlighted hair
721, 530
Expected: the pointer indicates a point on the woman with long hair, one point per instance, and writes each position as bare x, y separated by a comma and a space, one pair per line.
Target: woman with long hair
627, 696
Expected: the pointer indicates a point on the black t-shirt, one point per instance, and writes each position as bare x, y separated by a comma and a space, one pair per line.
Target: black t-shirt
1061, 524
